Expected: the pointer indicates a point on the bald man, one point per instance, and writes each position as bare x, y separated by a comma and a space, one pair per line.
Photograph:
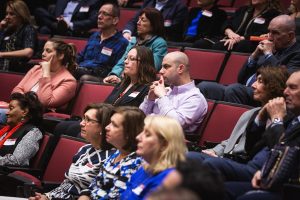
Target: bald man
280, 48
182, 100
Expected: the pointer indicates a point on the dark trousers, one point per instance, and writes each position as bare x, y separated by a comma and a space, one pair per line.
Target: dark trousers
245, 46
46, 21
229, 169
235, 93
71, 128
244, 191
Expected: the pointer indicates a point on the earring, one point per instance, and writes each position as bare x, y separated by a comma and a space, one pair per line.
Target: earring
100, 133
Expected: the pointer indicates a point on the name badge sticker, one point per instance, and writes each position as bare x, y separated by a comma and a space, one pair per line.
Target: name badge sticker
207, 13
259, 20
84, 9
106, 51
167, 23
10, 142
138, 190
134, 94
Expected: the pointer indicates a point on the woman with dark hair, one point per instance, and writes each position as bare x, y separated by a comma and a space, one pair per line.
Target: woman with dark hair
150, 30
19, 139
238, 147
252, 20
86, 163
126, 123
18, 38
138, 74
52, 79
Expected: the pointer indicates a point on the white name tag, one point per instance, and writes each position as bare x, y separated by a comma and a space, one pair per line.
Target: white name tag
167, 23
10, 142
259, 20
6, 38
106, 51
134, 94
84, 9
207, 13
138, 189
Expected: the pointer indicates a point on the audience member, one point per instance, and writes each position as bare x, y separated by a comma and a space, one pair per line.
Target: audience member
294, 10
252, 20
19, 139
68, 17
104, 47
270, 84
89, 158
138, 72
18, 38
162, 146
182, 101
204, 182
285, 115
150, 34
204, 24
174, 14
281, 48
126, 124
52, 80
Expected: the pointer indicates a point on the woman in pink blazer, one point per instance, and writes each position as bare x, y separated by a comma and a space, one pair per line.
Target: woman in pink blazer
52, 79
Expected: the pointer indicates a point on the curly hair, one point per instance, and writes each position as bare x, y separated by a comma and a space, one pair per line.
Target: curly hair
69, 52
30, 101
274, 79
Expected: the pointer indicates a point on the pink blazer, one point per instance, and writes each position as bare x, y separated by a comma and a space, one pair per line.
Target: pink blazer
54, 91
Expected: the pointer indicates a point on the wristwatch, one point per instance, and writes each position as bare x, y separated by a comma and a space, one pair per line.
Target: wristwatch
277, 120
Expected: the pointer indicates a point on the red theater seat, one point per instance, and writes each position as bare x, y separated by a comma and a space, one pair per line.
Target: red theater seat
8, 81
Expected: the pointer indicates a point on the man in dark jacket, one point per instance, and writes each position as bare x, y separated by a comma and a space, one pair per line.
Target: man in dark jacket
281, 48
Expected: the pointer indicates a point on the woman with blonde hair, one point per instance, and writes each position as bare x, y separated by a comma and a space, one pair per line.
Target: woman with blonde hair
18, 37
162, 146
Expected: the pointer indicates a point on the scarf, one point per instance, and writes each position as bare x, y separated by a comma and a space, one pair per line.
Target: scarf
10, 131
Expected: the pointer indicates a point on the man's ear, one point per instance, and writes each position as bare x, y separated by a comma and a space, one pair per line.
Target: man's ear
181, 68
116, 20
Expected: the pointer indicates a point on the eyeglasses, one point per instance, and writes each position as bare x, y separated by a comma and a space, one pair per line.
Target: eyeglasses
131, 59
105, 14
88, 120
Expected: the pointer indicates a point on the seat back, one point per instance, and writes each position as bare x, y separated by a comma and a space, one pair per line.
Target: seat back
239, 3
90, 93
61, 158
232, 67
222, 121
205, 64
40, 160
125, 15
8, 81
79, 43
195, 137
174, 48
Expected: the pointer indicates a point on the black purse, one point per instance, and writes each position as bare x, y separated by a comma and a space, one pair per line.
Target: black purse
280, 166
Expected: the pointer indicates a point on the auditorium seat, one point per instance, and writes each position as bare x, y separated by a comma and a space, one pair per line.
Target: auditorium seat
58, 164
205, 64
193, 137
126, 15
8, 81
221, 122
239, 3
79, 43
89, 92
232, 67
39, 162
